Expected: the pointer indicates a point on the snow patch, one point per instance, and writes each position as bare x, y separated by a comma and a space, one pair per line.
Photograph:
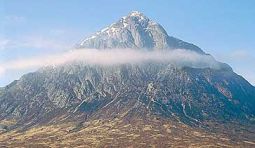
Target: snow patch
135, 13
103, 30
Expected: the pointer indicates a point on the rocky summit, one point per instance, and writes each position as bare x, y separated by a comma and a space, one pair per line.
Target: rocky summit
135, 31
122, 105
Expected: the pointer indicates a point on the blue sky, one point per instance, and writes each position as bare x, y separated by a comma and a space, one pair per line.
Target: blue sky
223, 28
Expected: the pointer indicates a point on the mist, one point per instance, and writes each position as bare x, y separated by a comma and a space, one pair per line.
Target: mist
178, 57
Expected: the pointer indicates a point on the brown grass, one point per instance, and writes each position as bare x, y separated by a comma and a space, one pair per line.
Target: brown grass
116, 133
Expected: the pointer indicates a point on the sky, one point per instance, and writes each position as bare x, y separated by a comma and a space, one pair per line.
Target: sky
30, 29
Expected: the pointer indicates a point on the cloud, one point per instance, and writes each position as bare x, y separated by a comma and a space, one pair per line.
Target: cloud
4, 43
240, 55
33, 42
42, 43
13, 19
113, 57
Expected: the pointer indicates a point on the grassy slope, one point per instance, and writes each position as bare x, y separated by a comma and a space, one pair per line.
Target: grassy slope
137, 133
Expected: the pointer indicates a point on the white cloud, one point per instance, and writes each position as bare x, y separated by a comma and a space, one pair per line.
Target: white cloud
55, 38
4, 43
33, 42
42, 43
240, 54
14, 19
122, 56
113, 56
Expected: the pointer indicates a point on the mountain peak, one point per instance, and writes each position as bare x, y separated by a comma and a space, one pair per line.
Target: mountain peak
136, 14
135, 31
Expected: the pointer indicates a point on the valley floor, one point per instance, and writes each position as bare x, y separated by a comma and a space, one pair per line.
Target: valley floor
119, 133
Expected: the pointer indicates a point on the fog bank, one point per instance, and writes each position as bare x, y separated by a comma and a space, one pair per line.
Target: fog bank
179, 57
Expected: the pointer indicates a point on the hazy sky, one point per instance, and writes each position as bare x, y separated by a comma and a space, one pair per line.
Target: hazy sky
223, 28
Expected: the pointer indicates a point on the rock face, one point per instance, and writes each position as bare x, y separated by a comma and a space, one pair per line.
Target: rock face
187, 94
135, 31
190, 95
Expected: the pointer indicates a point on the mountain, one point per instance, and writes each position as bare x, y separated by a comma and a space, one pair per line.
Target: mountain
153, 103
135, 31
